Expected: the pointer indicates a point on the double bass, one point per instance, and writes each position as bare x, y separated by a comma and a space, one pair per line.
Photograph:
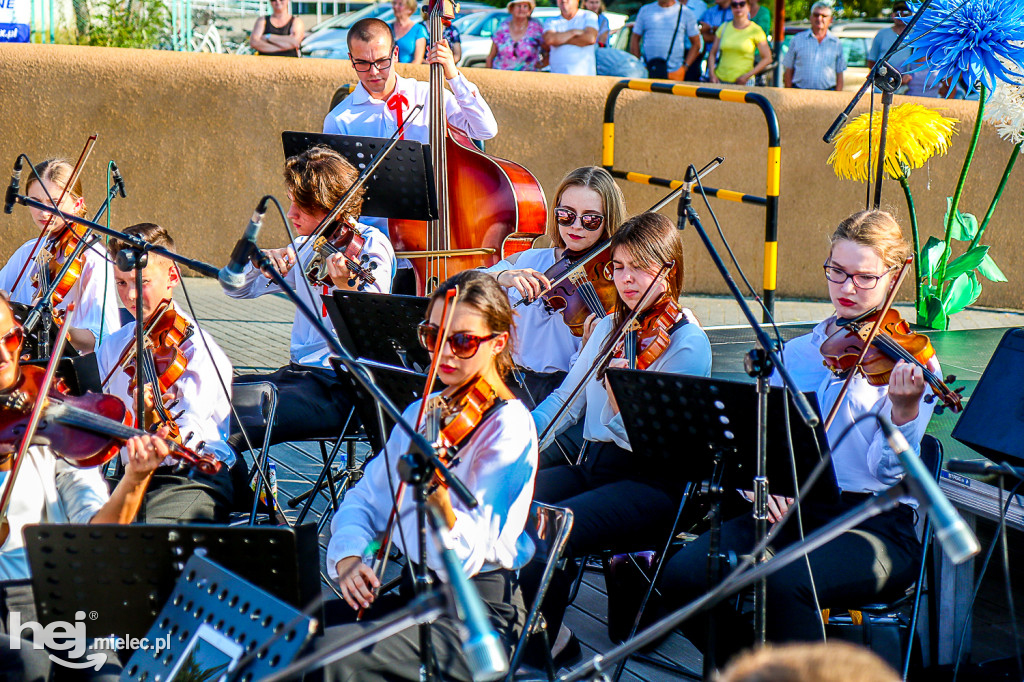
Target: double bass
486, 205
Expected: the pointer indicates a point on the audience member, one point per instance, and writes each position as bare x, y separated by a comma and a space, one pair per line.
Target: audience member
410, 36
713, 16
572, 38
760, 15
815, 58
603, 28
665, 26
732, 54
278, 34
451, 34
920, 83
518, 44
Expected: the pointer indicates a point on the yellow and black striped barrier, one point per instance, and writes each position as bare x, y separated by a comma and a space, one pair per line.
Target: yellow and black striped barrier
770, 201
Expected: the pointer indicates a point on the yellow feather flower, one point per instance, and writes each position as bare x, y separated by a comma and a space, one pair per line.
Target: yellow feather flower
916, 134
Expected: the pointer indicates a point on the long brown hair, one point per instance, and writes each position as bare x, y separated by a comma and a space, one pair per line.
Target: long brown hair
651, 240
318, 178
482, 292
599, 180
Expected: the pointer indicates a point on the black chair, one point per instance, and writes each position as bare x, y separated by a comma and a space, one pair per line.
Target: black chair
548, 527
254, 406
894, 613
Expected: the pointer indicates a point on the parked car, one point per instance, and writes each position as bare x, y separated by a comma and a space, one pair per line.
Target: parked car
328, 39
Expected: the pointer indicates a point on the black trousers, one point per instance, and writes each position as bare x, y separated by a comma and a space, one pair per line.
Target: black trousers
532, 388
29, 663
176, 495
878, 560
620, 503
398, 656
310, 404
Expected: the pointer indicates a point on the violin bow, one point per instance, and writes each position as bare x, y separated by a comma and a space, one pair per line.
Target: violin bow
875, 329
89, 144
380, 560
33, 423
129, 352
602, 361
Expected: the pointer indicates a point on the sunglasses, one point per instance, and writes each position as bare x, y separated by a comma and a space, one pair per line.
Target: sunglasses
463, 345
588, 221
13, 339
737, 4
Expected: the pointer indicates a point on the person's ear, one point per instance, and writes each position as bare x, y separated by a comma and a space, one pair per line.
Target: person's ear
174, 275
500, 342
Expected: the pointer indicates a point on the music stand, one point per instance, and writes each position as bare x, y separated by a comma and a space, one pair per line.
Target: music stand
124, 574
216, 621
380, 327
402, 187
81, 373
665, 413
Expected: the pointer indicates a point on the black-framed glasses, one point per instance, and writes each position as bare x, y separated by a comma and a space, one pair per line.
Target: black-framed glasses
362, 67
860, 280
463, 345
12, 340
738, 4
588, 221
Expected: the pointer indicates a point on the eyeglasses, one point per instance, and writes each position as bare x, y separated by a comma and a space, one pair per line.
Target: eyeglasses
861, 281
13, 339
738, 4
588, 221
363, 67
463, 345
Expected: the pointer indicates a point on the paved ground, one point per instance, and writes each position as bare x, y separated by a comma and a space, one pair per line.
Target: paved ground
255, 333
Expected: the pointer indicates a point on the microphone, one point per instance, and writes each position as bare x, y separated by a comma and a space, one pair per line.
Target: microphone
485, 655
983, 467
118, 180
956, 538
12, 189
231, 274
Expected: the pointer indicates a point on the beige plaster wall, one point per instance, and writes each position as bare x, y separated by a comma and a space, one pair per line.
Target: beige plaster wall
198, 140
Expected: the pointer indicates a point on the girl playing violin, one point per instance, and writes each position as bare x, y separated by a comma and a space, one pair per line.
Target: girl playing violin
878, 558
497, 461
197, 401
587, 208
621, 501
96, 313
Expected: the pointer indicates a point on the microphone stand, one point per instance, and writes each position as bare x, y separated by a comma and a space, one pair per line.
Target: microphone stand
596, 667
759, 363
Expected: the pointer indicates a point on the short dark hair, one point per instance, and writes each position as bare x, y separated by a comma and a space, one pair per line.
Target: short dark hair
366, 30
900, 6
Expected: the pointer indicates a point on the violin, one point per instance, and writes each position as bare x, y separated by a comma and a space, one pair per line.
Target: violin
451, 419
347, 241
894, 342
650, 334
86, 430
581, 286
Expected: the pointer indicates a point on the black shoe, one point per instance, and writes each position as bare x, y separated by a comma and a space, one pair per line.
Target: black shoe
570, 655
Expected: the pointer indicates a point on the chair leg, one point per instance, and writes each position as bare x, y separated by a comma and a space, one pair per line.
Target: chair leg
325, 474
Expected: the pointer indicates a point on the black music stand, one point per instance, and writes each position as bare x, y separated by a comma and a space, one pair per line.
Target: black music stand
125, 573
380, 327
705, 432
215, 623
81, 373
402, 187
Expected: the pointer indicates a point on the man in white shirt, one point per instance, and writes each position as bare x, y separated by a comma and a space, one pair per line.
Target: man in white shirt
572, 38
382, 99
669, 31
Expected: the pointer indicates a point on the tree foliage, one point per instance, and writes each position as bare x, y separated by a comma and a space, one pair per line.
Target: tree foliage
128, 23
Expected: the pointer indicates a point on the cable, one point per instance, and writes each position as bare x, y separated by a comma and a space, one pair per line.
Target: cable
1008, 586
1004, 508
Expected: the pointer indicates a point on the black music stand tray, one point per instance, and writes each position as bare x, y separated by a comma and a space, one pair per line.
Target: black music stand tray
380, 327
402, 187
682, 418
214, 617
125, 573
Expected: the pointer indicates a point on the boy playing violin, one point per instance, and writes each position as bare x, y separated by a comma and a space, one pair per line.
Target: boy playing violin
48, 489
197, 402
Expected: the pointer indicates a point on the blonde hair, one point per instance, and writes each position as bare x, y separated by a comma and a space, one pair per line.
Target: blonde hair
58, 172
831, 662
600, 181
875, 229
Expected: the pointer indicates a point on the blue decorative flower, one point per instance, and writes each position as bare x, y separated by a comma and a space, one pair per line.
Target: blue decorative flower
980, 40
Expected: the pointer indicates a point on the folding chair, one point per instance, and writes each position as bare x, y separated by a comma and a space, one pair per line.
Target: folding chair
548, 527
255, 405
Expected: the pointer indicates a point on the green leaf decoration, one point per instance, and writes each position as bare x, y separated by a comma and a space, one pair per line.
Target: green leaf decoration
964, 291
990, 270
931, 254
965, 262
931, 314
965, 225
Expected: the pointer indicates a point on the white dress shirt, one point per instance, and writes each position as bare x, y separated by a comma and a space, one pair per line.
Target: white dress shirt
207, 408
689, 352
864, 462
498, 464
47, 490
93, 295
308, 347
577, 60
543, 342
362, 114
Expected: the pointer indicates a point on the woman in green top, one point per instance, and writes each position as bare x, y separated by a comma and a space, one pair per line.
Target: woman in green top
734, 47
